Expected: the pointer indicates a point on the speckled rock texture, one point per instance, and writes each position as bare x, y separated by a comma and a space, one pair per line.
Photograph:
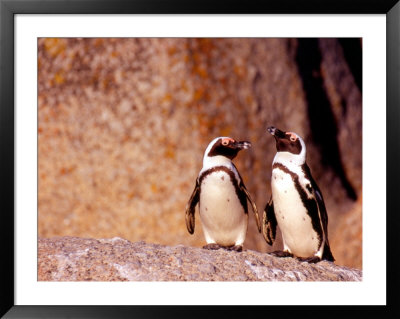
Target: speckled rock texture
117, 259
123, 124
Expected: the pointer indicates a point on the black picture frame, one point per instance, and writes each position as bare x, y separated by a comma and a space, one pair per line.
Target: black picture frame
8, 9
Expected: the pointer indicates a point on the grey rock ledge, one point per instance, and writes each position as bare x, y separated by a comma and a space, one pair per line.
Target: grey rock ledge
116, 259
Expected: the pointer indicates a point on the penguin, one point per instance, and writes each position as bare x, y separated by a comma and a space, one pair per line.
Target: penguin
222, 197
296, 204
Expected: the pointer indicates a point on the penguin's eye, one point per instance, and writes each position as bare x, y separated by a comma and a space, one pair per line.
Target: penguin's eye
293, 138
225, 142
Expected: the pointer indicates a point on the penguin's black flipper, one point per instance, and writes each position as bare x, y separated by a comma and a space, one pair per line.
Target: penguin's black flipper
269, 223
191, 208
327, 254
253, 205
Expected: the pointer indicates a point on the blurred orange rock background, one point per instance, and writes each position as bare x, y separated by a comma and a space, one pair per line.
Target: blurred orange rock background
123, 124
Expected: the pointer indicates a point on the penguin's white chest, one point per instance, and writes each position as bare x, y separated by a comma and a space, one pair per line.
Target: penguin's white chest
222, 215
295, 224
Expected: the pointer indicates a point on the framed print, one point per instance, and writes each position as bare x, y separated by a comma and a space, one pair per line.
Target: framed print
124, 126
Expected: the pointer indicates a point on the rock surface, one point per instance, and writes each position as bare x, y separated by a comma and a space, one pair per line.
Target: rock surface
117, 259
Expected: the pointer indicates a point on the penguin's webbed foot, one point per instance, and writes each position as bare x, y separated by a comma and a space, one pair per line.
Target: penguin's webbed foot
212, 246
280, 253
237, 248
311, 260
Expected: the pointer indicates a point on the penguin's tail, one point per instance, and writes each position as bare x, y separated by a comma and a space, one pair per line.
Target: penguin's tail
327, 255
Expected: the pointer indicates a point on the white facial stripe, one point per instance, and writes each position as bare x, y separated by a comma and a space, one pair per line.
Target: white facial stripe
303, 148
289, 159
209, 147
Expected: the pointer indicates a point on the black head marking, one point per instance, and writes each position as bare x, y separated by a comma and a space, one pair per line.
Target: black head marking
286, 141
228, 147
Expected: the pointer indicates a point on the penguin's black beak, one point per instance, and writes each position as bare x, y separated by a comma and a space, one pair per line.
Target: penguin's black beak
242, 145
277, 133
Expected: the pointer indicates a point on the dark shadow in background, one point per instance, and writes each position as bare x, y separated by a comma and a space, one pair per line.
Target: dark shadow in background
352, 50
322, 121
